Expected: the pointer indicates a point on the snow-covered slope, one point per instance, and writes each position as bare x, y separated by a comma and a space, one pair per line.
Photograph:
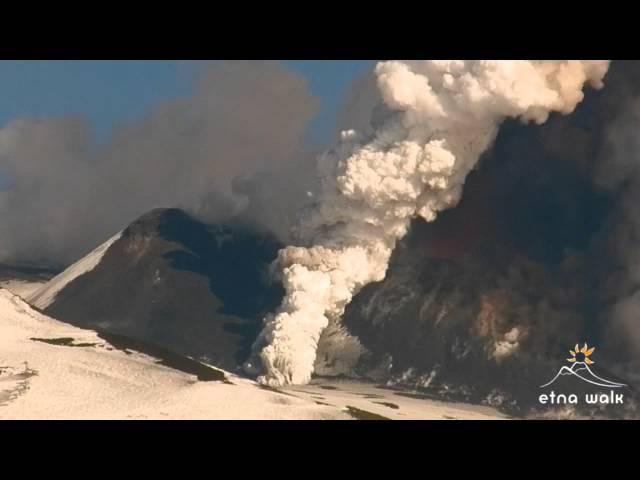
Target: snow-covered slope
369, 401
51, 370
44, 296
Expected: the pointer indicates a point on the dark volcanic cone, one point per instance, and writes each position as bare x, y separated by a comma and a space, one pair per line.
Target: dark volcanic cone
170, 280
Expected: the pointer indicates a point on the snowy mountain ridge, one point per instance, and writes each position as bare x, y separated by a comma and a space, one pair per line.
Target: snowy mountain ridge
44, 296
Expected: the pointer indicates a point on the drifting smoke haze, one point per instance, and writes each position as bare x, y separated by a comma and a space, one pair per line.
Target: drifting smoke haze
209, 153
442, 115
617, 171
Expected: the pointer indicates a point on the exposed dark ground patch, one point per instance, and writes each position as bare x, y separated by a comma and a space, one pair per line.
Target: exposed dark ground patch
63, 342
274, 390
369, 395
388, 404
360, 414
167, 358
328, 387
9, 395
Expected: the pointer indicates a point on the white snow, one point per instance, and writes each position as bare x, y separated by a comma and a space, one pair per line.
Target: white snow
23, 288
391, 404
44, 296
46, 381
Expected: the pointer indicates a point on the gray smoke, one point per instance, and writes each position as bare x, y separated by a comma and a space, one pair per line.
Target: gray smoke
209, 153
618, 171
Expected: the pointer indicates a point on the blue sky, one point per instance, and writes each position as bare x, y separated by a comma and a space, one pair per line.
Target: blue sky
329, 79
109, 92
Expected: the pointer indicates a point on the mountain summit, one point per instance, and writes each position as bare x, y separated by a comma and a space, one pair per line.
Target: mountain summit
171, 280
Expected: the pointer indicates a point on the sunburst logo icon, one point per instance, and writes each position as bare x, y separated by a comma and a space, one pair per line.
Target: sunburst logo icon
581, 354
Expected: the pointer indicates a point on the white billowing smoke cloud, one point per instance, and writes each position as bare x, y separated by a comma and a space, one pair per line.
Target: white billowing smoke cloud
244, 120
440, 117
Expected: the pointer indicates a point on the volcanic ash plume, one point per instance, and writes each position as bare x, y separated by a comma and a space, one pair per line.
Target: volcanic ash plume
439, 116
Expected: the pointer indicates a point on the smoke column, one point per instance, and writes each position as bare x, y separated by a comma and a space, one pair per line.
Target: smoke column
439, 117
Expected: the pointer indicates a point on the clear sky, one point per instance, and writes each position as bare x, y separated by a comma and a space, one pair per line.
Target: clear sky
109, 92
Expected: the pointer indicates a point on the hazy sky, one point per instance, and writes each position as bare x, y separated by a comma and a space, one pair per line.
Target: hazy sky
114, 139
108, 92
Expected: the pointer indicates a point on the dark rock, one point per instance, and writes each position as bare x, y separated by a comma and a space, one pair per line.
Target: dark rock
179, 284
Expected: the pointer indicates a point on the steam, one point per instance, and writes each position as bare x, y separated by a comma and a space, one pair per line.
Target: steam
437, 118
210, 152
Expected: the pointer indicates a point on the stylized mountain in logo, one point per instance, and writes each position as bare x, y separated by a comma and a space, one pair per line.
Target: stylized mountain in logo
584, 373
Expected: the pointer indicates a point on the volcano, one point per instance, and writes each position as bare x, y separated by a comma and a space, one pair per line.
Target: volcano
173, 281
